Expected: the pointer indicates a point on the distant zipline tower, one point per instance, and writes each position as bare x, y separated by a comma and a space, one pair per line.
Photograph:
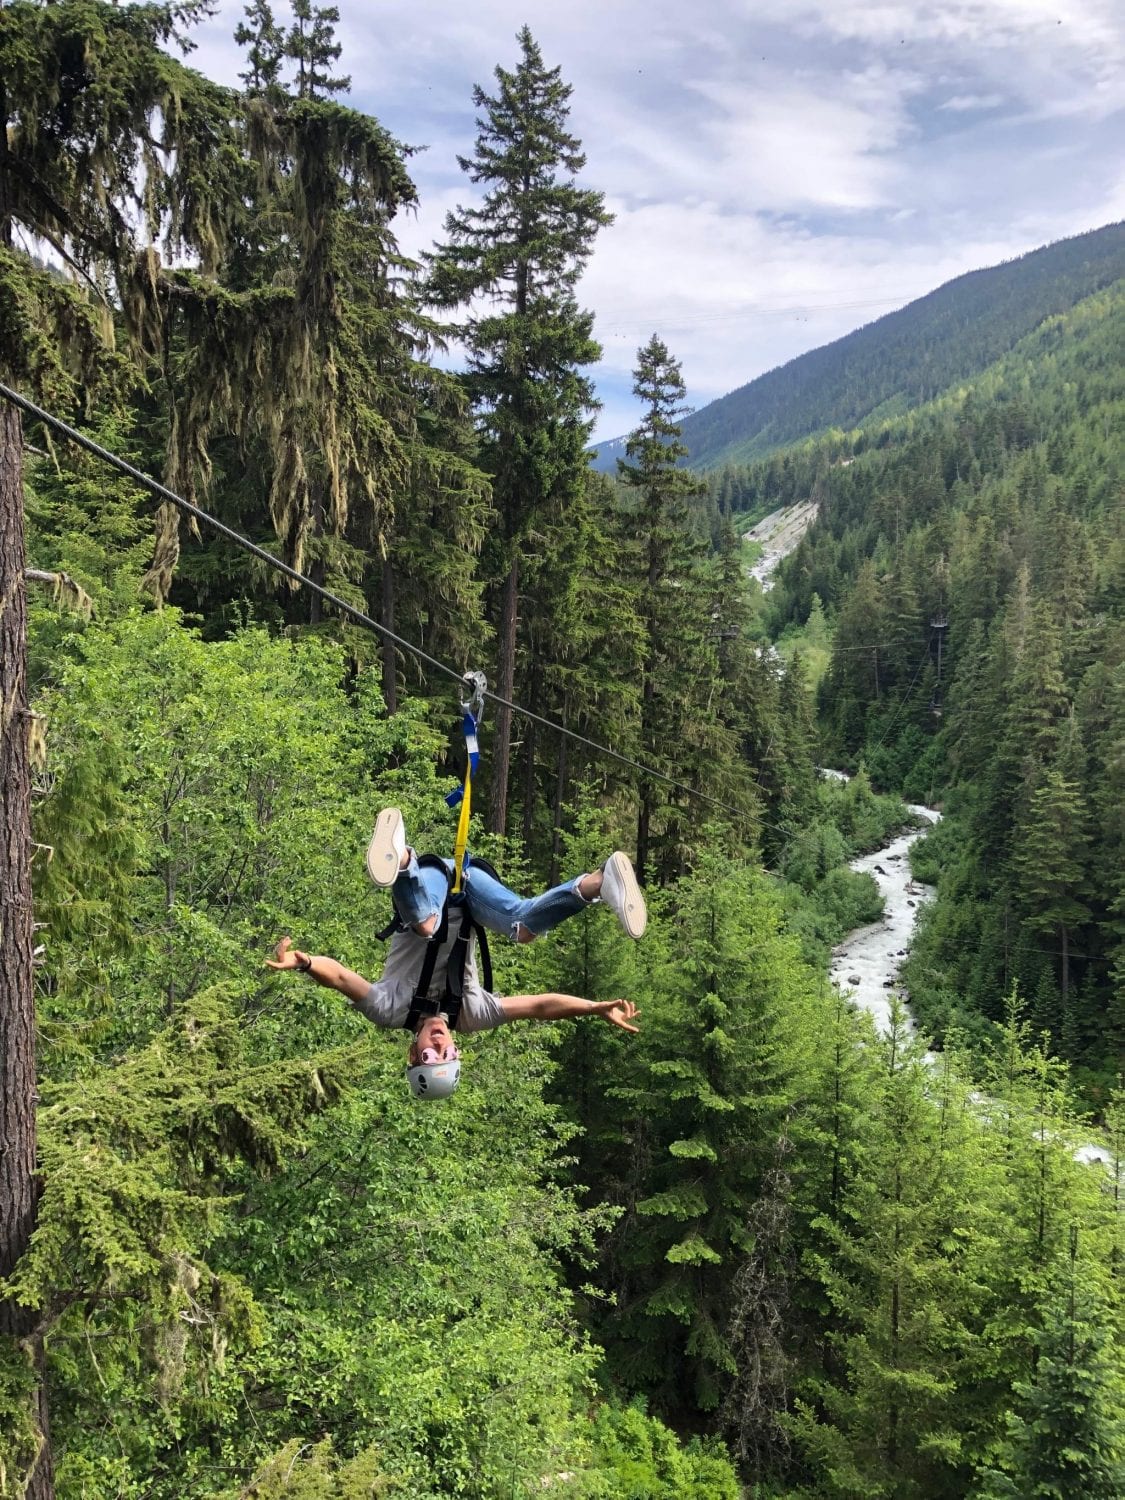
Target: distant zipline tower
938, 627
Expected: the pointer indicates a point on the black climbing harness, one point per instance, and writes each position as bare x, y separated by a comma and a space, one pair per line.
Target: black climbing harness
454, 914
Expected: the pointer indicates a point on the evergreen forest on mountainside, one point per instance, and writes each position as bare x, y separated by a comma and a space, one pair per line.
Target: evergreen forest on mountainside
760, 1248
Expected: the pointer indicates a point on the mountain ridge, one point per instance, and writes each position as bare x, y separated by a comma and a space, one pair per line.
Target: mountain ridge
901, 360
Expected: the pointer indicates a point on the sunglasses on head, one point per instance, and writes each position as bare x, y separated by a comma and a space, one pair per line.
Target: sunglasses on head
431, 1055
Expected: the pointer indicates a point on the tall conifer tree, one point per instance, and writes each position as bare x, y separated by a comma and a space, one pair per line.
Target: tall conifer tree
1049, 864
726, 1054
1067, 1434
887, 1396
521, 251
312, 45
681, 664
264, 41
356, 456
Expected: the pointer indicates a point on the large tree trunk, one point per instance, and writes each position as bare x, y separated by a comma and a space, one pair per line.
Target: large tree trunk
387, 618
505, 687
529, 788
644, 823
510, 594
316, 569
644, 816
18, 1184
560, 801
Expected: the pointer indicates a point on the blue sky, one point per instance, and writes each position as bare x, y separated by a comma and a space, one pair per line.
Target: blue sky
781, 171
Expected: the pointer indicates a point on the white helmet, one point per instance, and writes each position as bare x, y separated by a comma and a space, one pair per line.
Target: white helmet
434, 1080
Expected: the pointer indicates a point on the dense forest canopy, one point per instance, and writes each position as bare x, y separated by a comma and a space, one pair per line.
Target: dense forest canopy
971, 561
759, 1248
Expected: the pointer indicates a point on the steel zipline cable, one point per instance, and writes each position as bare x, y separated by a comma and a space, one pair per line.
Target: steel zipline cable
304, 581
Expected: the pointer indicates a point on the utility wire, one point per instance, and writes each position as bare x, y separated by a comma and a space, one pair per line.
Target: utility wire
833, 650
903, 640
304, 581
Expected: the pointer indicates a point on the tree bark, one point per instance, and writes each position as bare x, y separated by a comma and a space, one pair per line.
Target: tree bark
644, 822
316, 569
560, 801
505, 686
644, 816
529, 765
387, 618
510, 595
19, 1188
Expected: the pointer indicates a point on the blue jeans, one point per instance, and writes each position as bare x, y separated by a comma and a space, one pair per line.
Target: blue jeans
419, 893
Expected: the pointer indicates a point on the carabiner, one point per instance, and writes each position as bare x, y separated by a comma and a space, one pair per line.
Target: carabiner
475, 685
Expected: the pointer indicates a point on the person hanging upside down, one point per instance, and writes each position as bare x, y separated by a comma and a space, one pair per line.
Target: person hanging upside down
430, 984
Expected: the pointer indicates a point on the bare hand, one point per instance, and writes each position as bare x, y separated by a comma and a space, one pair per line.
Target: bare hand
618, 1013
288, 957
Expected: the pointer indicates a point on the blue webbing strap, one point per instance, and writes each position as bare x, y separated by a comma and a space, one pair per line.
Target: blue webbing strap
472, 748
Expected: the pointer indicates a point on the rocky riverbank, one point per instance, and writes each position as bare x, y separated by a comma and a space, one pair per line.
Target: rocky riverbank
868, 961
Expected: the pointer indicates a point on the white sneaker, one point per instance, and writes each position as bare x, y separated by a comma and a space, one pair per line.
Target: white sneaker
622, 894
387, 846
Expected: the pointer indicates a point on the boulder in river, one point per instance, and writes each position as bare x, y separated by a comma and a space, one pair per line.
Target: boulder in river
854, 979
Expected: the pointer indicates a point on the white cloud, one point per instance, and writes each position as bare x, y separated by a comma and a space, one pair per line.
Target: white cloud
962, 103
782, 170
803, 143
1040, 50
770, 291
1089, 25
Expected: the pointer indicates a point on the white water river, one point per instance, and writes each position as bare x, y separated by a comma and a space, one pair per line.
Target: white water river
867, 963
868, 960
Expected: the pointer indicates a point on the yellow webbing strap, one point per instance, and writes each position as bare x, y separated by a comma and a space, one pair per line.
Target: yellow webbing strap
462, 830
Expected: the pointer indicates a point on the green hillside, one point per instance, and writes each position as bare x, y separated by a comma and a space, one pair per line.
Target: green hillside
998, 510
908, 357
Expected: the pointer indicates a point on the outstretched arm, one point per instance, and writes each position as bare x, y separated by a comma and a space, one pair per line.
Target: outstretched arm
325, 971
568, 1008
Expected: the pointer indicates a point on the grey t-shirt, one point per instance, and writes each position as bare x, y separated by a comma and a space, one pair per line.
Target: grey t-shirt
387, 1002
